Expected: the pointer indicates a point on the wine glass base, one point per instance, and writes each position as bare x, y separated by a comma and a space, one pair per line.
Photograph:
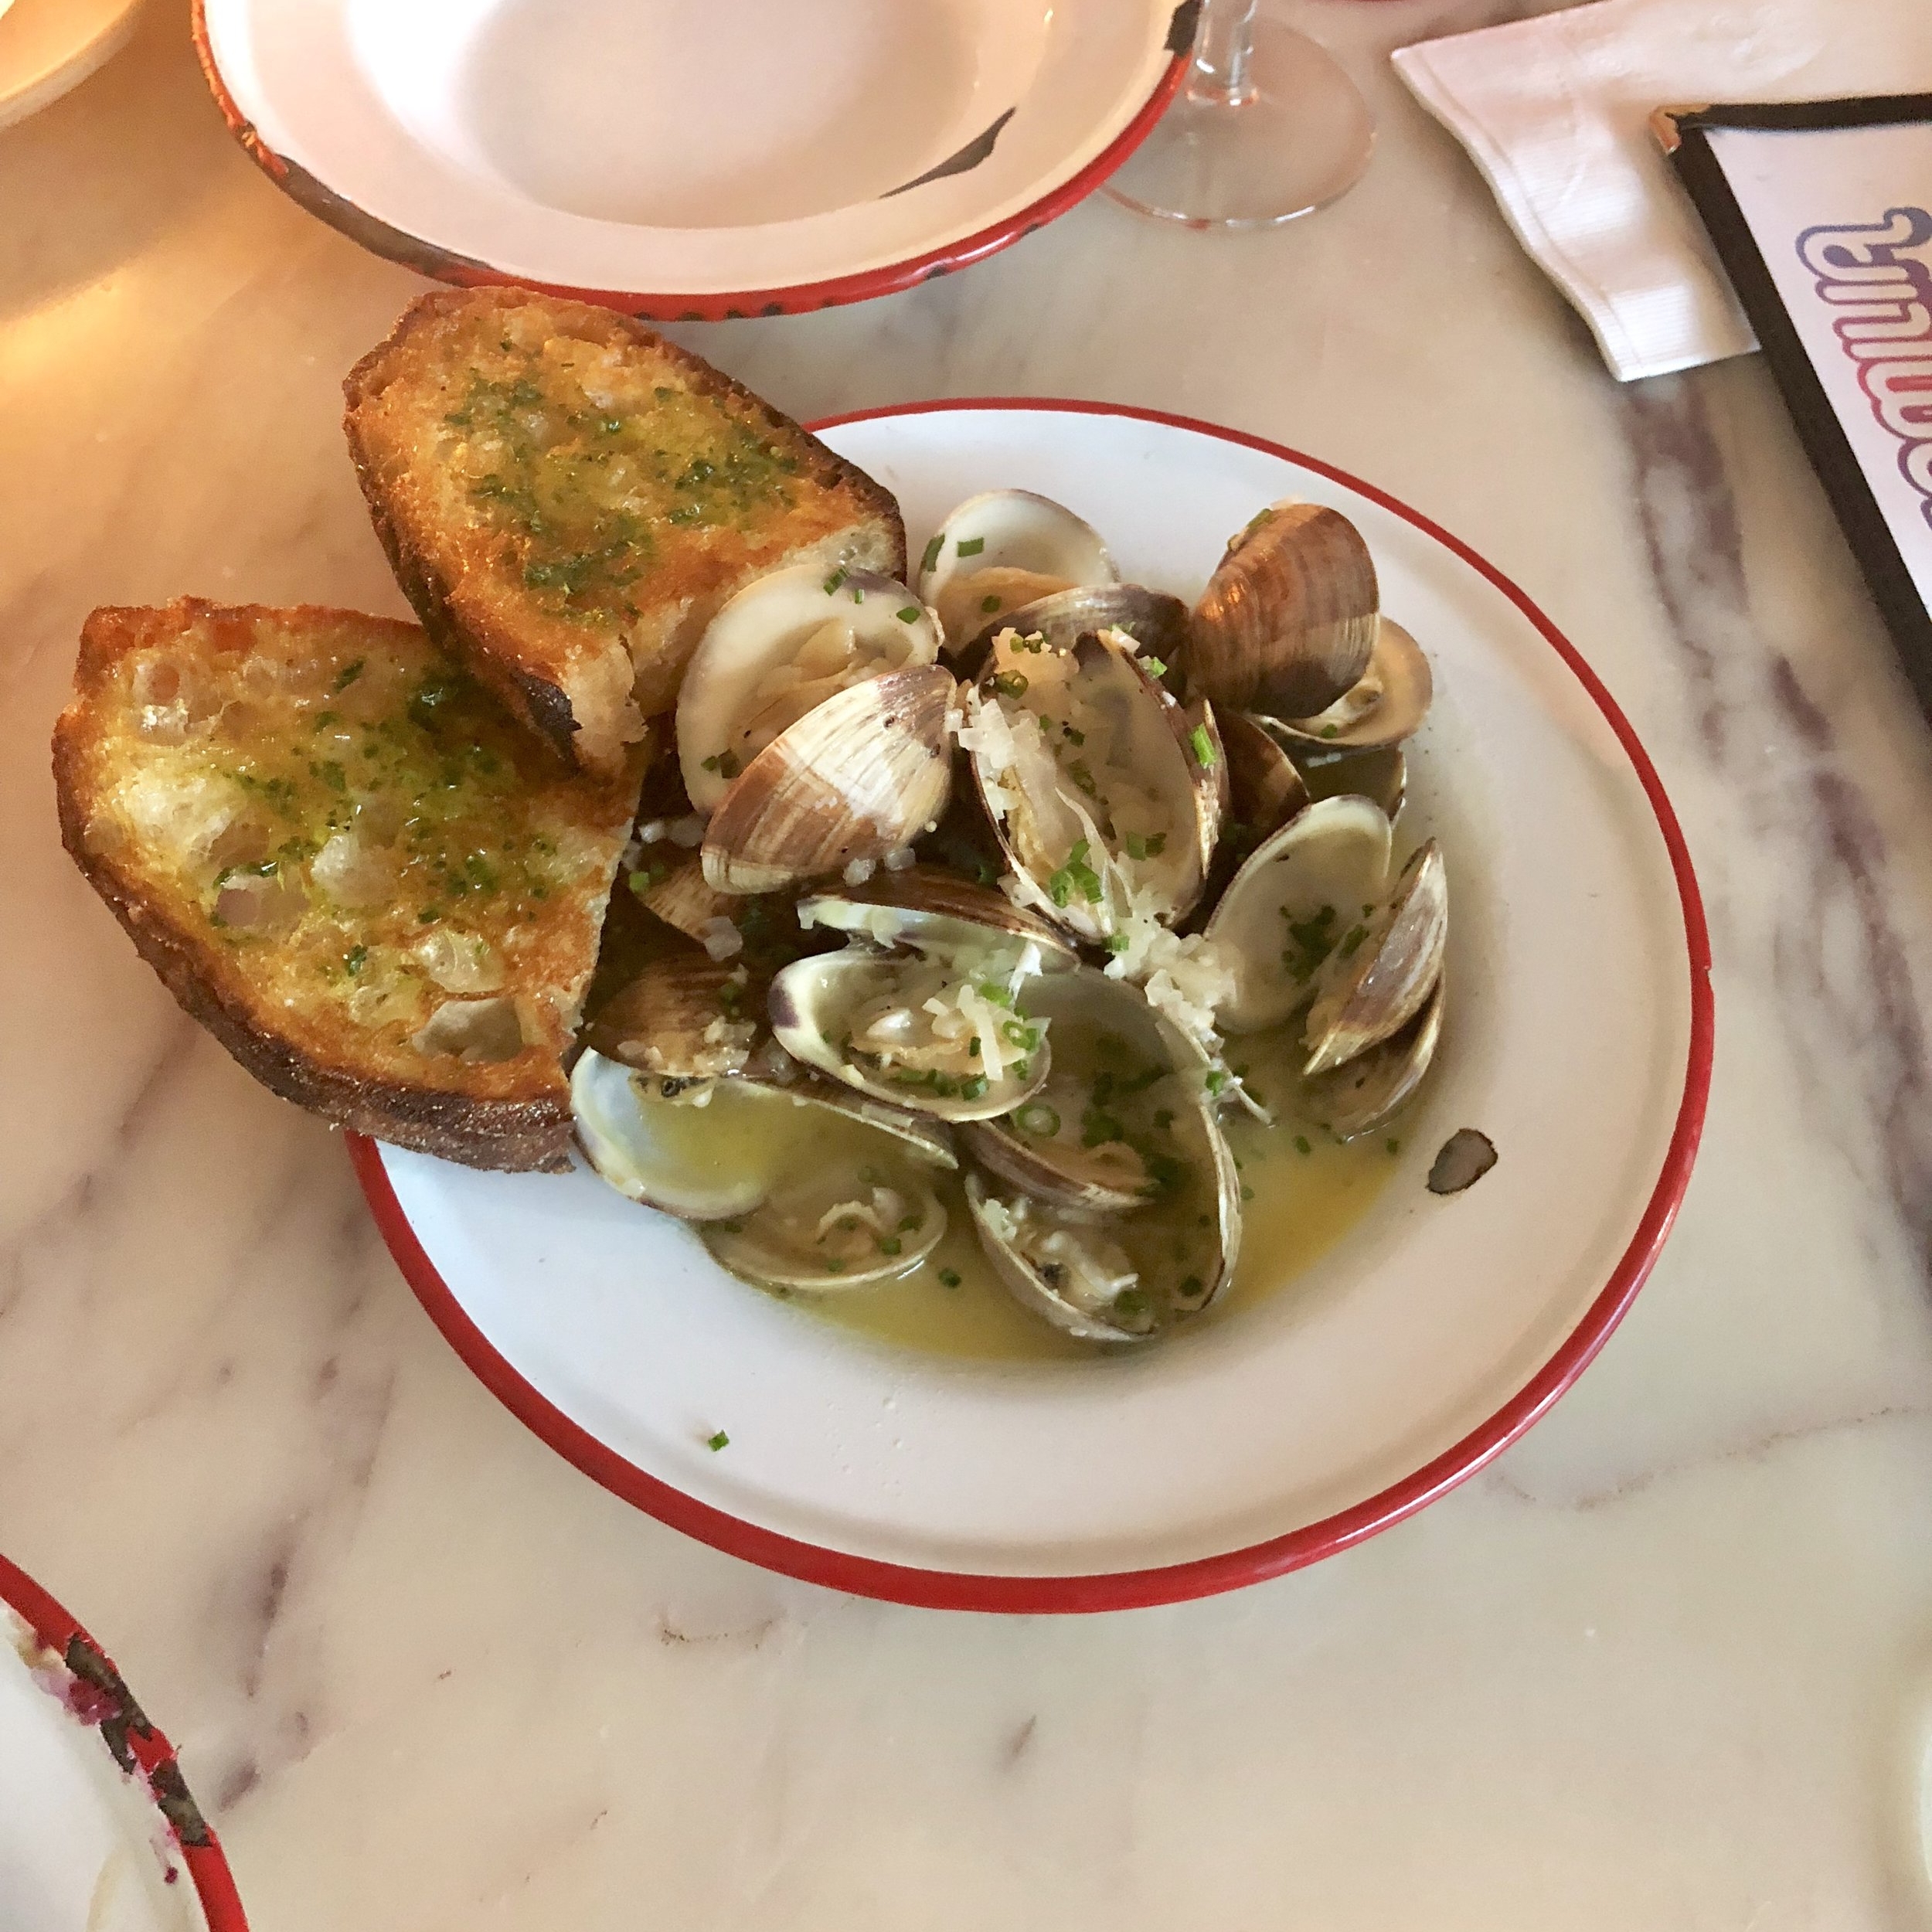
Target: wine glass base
1302, 137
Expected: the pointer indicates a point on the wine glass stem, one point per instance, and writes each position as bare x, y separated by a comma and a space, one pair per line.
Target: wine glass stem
1223, 45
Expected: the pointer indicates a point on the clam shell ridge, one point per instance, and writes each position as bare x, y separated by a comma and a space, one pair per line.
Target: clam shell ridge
863, 774
1288, 622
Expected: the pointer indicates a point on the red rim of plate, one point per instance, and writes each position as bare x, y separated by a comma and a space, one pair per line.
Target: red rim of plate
427, 258
1134, 1589
207, 1865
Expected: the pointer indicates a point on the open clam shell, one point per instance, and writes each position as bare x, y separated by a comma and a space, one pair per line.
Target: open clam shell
932, 910
1288, 622
781, 1197
864, 773
1004, 549
783, 645
657, 1141
1265, 790
1386, 704
682, 1018
1298, 893
1125, 1277
1095, 1137
1105, 794
917, 1032
1366, 1092
1383, 969
1156, 623
834, 1226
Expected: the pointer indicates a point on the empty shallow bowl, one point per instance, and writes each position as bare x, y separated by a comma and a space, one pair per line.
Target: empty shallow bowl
692, 158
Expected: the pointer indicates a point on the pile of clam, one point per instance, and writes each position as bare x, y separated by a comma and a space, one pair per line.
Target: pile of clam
978, 879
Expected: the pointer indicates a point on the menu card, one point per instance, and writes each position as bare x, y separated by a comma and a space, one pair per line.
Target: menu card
1822, 212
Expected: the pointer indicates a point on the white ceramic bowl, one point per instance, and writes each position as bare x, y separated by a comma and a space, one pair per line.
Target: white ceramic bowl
1578, 1038
691, 159
96, 1827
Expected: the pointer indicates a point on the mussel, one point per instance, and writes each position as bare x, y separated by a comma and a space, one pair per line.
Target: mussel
1004, 549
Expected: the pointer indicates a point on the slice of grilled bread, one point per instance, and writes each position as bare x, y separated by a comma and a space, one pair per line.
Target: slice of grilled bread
347, 862
566, 498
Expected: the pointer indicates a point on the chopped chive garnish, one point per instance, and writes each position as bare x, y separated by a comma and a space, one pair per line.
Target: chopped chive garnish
989, 605
1155, 668
1301, 1145
348, 674
972, 1047
1203, 746
1215, 1080
1010, 684
1037, 1118
720, 1440
932, 553
1248, 1193
1076, 873
1395, 1146
970, 546
949, 1278
1117, 942
909, 614
837, 578
891, 1244
1331, 731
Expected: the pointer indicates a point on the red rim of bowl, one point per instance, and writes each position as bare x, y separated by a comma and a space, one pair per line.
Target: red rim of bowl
427, 258
1232, 1569
207, 1866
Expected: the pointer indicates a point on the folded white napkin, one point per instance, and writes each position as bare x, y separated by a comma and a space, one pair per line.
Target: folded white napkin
1555, 110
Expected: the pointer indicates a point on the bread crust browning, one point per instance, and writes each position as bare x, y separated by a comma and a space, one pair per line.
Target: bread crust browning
505, 1135
580, 685
511, 1115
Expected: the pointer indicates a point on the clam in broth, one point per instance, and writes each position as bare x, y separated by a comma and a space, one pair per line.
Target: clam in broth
1192, 986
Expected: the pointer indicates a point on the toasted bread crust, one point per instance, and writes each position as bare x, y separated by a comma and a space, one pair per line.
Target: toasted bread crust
508, 1135
581, 686
506, 1115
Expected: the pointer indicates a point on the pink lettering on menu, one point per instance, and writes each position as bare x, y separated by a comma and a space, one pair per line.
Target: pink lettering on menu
1881, 296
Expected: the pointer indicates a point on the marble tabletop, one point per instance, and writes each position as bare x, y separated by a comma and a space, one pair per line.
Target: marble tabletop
1667, 1663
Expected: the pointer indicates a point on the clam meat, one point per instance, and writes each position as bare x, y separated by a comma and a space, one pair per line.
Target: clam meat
1105, 794
928, 1007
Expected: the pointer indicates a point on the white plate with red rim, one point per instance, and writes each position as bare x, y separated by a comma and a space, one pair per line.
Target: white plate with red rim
692, 158
1578, 1038
97, 1829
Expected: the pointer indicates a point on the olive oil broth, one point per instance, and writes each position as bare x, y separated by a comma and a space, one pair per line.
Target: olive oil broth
953, 1304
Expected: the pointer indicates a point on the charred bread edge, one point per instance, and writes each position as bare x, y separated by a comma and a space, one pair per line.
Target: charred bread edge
510, 1135
542, 705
